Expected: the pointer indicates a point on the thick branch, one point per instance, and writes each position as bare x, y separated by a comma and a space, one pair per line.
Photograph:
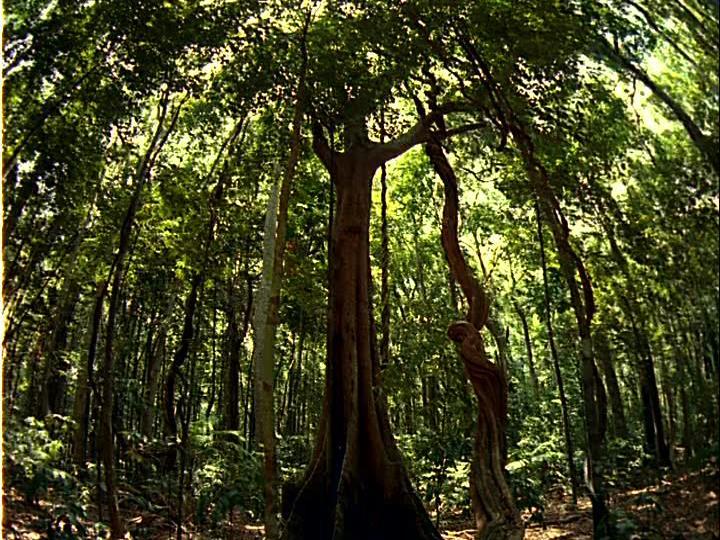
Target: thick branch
419, 133
662, 33
465, 128
321, 147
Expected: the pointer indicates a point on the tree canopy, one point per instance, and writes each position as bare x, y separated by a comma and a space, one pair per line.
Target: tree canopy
316, 267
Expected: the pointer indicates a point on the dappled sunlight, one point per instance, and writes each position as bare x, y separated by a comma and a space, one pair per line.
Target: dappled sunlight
360, 270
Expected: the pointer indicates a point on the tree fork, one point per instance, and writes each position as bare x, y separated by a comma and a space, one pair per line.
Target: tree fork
356, 486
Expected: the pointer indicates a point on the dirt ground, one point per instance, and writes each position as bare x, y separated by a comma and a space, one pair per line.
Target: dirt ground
681, 505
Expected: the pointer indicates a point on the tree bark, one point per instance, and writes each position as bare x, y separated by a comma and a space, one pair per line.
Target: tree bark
356, 486
384, 261
264, 365
493, 505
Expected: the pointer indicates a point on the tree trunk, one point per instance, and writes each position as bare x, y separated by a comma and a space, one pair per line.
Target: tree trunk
263, 362
106, 437
652, 413
54, 379
186, 339
499, 333
581, 295
607, 366
582, 301
667, 385
197, 282
688, 428
384, 262
231, 397
213, 356
85, 381
356, 486
493, 505
293, 383
655, 443
528, 348
154, 364
567, 428
267, 316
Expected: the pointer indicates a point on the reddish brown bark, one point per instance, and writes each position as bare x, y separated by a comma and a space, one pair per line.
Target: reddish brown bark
493, 505
356, 486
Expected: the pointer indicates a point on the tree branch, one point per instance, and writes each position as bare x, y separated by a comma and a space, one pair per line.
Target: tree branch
420, 132
466, 128
321, 148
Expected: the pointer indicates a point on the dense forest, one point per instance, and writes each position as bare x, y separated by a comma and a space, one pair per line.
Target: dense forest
360, 270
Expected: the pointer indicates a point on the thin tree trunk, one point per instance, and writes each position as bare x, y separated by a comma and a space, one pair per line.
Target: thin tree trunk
567, 430
294, 374
184, 445
197, 282
267, 315
54, 380
264, 366
107, 445
528, 348
652, 412
608, 368
213, 373
499, 333
152, 380
231, 413
669, 407
85, 384
106, 411
186, 339
384, 261
582, 301
572, 268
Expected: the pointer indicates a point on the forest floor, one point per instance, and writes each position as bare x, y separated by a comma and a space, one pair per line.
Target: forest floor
683, 504
680, 505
